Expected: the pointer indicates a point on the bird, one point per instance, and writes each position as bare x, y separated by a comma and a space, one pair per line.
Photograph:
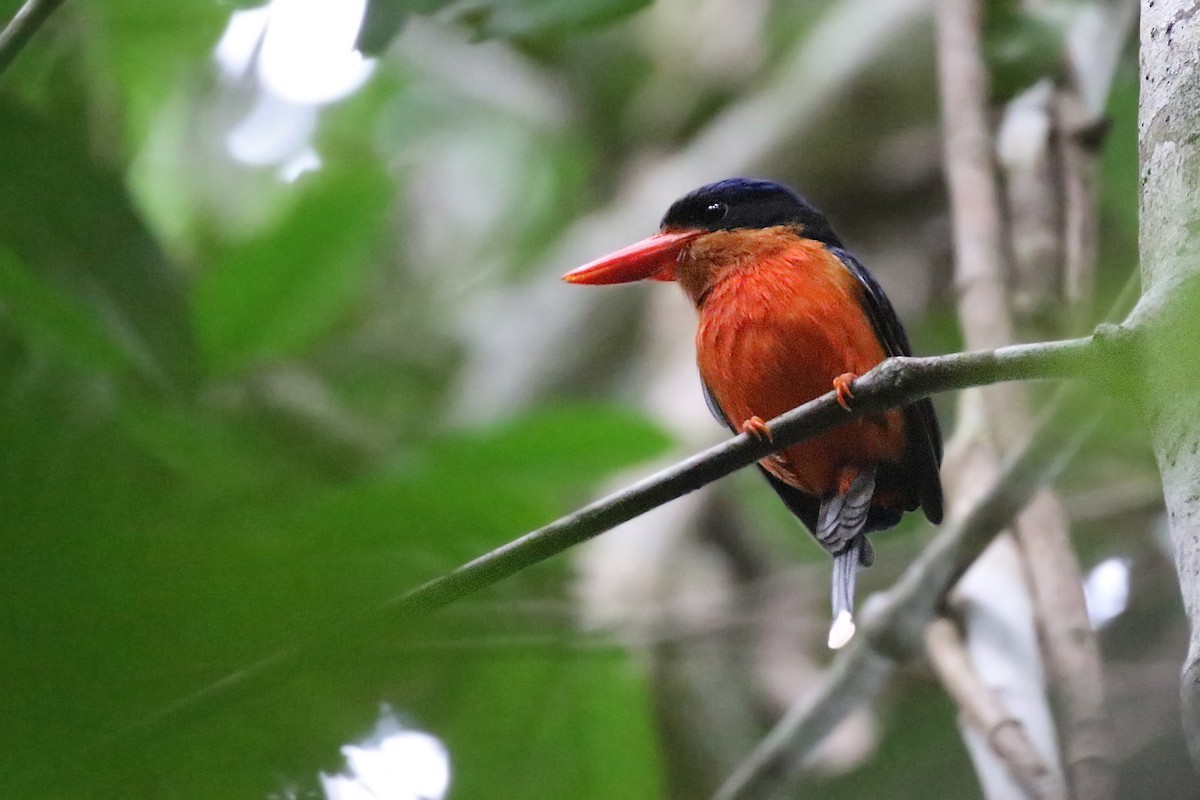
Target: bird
786, 314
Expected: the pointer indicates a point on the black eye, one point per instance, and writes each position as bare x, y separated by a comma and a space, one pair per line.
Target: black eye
715, 212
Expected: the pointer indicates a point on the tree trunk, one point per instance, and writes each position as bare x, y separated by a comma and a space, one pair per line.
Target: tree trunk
1169, 143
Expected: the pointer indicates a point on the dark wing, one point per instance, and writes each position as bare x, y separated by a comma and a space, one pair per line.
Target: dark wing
802, 505
923, 449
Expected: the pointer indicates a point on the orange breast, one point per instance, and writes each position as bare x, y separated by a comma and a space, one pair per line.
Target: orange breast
774, 332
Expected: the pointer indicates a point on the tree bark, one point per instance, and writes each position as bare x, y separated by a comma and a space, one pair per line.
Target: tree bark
1169, 156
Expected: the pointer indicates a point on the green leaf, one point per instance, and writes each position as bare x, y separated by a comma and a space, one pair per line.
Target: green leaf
494, 18
46, 314
275, 295
209, 450
385, 19
68, 217
534, 18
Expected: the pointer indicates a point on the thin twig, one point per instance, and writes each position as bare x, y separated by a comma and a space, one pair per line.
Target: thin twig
893, 625
21, 28
982, 709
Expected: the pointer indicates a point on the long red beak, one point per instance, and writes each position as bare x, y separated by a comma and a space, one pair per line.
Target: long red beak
652, 257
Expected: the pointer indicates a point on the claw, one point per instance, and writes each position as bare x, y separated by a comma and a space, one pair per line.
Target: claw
841, 385
757, 428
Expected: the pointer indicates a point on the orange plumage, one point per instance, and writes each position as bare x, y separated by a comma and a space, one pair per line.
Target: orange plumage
780, 318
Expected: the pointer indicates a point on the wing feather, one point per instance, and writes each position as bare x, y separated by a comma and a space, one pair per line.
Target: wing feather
923, 450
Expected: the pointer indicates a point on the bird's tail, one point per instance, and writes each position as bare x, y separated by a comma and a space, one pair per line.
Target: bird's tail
840, 524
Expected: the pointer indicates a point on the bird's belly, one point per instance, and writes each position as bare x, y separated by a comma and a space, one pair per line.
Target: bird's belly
765, 364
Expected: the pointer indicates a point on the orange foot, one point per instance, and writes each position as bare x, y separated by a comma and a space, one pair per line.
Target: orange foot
841, 385
757, 428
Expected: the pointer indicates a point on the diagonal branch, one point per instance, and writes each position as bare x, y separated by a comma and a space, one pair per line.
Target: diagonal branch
21, 28
895, 382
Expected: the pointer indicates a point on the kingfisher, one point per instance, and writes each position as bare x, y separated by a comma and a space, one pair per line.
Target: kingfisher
787, 314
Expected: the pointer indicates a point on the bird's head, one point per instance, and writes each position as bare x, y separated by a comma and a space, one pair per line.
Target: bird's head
737, 204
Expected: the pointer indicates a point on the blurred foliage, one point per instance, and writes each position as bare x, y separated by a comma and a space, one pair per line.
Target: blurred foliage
920, 756
224, 437
276, 294
233, 422
1022, 44
515, 19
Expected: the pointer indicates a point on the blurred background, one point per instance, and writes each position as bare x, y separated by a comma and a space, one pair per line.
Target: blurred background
282, 336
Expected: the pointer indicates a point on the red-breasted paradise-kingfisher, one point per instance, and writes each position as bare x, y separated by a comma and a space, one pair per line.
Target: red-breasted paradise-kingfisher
786, 314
